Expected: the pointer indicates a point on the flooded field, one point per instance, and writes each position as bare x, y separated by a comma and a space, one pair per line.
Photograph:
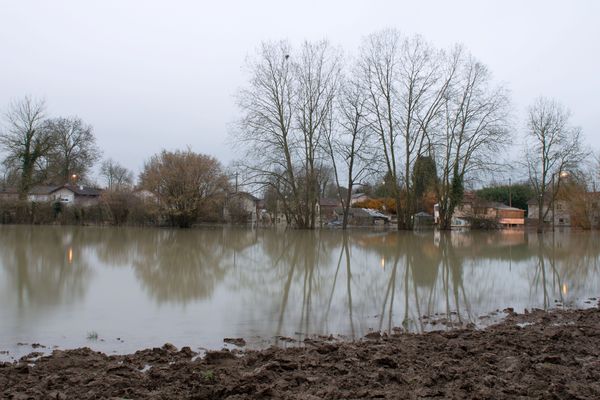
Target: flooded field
122, 289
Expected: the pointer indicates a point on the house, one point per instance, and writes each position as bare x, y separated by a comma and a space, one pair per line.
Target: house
8, 194
66, 194
560, 213
241, 207
145, 196
273, 214
42, 194
473, 207
423, 219
462, 211
363, 216
326, 209
577, 208
505, 215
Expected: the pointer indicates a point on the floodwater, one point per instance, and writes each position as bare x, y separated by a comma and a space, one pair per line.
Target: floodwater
138, 288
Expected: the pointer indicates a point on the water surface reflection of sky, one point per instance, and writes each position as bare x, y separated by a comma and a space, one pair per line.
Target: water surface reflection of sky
195, 287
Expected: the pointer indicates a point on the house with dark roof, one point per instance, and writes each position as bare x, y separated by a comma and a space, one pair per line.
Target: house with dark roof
66, 194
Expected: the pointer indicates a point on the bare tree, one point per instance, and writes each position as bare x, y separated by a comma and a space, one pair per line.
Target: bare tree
285, 107
347, 141
74, 149
473, 130
186, 184
265, 129
317, 75
553, 147
407, 90
116, 176
25, 140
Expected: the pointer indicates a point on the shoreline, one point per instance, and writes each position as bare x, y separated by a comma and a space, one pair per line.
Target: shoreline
536, 354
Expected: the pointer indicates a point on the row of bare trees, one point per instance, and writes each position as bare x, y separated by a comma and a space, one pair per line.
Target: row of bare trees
38, 149
184, 185
399, 100
398, 105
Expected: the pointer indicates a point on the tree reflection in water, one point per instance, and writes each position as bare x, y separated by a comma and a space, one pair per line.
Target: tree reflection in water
283, 282
186, 265
44, 266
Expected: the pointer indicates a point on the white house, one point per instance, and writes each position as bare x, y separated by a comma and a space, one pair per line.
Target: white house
65, 194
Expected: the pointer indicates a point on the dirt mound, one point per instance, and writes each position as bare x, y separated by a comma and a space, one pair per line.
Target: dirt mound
536, 355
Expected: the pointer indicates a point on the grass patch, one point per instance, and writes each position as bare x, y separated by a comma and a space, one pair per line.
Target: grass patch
208, 375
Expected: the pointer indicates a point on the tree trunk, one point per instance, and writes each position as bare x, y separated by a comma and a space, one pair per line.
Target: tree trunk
540, 224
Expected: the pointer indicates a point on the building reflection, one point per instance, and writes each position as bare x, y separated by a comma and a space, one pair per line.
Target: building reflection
304, 282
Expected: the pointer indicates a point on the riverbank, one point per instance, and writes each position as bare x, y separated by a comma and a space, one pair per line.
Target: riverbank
537, 355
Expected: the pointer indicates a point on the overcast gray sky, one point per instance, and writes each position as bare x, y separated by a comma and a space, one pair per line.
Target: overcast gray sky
150, 75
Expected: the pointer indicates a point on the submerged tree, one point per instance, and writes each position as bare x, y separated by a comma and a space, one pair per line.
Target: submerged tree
407, 83
424, 180
285, 106
186, 184
347, 142
473, 130
552, 149
404, 103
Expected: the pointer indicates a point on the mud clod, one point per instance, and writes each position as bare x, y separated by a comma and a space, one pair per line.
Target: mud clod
533, 355
240, 342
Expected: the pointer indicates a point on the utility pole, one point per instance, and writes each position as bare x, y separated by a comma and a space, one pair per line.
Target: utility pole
553, 200
509, 192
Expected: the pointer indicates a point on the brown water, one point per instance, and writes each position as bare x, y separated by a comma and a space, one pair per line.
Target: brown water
196, 287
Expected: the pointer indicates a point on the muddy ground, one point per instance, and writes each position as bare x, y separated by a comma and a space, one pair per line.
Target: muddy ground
534, 355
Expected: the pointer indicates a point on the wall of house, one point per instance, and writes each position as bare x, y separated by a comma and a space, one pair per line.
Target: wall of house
510, 213
39, 198
9, 197
64, 195
562, 216
246, 204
